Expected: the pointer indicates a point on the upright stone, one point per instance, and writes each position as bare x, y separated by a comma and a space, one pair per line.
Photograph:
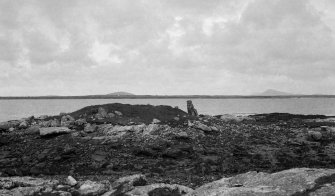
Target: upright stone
190, 109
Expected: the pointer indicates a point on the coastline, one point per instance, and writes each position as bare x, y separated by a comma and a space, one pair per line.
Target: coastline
103, 143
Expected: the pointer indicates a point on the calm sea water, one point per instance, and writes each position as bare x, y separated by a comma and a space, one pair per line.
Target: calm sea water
16, 109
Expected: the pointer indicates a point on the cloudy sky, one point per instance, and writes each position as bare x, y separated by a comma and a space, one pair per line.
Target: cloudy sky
78, 47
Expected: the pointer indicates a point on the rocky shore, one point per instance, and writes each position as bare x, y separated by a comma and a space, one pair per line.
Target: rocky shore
121, 149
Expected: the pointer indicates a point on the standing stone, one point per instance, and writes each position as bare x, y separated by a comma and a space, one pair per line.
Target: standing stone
190, 109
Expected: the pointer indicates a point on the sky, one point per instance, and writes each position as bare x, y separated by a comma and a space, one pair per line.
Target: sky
166, 47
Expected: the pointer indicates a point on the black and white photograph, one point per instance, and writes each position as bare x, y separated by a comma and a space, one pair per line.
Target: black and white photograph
167, 97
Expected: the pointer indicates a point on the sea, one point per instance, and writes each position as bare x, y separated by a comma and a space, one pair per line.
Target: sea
21, 108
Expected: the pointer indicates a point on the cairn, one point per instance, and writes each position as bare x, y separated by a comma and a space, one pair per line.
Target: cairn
190, 109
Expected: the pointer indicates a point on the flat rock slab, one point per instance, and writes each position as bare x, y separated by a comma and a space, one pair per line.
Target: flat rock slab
160, 189
298, 181
46, 131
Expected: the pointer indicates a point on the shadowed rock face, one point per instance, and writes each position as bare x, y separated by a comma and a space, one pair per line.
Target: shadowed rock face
294, 182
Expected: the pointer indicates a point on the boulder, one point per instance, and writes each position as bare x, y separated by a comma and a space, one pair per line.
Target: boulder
155, 121
54, 123
214, 128
102, 112
328, 130
5, 126
314, 135
80, 122
71, 181
297, 181
133, 180
90, 128
128, 183
23, 125
235, 118
199, 125
160, 190
25, 191
66, 120
155, 129
90, 188
116, 131
118, 113
111, 115
45, 131
33, 129
42, 117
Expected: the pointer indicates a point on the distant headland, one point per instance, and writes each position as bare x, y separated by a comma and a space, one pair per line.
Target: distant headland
270, 93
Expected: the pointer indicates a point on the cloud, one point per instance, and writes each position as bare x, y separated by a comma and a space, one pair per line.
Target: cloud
166, 47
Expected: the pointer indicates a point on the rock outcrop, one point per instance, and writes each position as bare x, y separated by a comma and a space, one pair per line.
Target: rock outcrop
293, 182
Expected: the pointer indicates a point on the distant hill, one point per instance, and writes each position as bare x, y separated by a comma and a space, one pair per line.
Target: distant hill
120, 93
272, 92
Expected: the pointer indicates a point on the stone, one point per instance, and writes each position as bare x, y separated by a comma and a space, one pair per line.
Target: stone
214, 128
118, 113
176, 118
99, 156
201, 126
90, 128
155, 121
116, 131
66, 120
11, 129
42, 117
314, 135
328, 130
26, 191
155, 129
128, 183
102, 112
23, 125
160, 189
80, 122
46, 131
71, 181
297, 181
182, 135
54, 123
111, 115
89, 188
133, 180
190, 109
44, 123
35, 129
5, 126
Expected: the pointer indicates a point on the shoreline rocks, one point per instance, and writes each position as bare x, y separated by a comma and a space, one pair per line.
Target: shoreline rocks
189, 151
292, 182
